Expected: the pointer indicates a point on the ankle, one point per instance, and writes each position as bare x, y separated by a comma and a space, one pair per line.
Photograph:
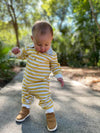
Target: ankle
51, 110
25, 105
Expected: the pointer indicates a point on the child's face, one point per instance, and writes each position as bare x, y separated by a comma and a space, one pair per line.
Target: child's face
43, 42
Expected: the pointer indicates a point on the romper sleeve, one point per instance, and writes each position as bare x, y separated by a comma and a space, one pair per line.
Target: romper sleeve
55, 66
23, 53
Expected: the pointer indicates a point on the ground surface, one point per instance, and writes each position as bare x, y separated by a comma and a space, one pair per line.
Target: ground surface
89, 77
77, 108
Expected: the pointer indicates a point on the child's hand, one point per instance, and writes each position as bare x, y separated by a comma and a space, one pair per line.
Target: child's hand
61, 81
15, 50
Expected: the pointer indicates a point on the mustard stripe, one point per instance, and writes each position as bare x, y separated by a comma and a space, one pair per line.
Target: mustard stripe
33, 77
30, 65
39, 92
47, 104
37, 63
37, 74
29, 82
36, 83
39, 57
39, 88
47, 107
39, 95
36, 86
30, 49
48, 57
35, 69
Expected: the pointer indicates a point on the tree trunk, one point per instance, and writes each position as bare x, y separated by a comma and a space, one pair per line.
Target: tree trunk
16, 33
12, 14
91, 6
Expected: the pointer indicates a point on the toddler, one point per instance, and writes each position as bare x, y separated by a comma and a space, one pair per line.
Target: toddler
41, 60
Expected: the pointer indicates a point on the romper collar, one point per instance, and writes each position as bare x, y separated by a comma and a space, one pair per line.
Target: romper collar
49, 52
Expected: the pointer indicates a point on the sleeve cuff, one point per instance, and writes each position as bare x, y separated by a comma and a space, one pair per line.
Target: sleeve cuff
19, 54
58, 76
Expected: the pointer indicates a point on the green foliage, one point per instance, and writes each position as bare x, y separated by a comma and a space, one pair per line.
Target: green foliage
6, 34
5, 72
17, 13
98, 64
76, 35
86, 34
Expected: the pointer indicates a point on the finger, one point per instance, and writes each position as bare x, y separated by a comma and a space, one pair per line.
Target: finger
60, 79
62, 84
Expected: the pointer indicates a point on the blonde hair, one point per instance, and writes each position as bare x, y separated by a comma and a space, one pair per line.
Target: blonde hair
41, 28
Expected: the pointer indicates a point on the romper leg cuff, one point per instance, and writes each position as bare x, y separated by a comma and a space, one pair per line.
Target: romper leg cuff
49, 110
25, 105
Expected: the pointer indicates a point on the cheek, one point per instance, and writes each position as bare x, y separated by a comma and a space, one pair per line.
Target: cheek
37, 48
47, 48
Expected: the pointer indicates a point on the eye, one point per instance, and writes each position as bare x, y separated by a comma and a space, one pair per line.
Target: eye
39, 44
46, 44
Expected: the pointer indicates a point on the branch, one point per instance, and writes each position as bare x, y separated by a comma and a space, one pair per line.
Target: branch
91, 6
8, 7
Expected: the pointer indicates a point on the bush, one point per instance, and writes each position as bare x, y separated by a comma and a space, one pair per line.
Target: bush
98, 64
5, 67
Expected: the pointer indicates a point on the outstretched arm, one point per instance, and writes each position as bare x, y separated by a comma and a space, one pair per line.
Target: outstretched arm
15, 50
20, 53
61, 81
56, 69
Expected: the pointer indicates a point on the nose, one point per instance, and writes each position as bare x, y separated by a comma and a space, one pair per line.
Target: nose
42, 49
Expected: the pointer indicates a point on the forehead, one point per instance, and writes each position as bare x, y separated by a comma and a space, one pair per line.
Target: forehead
45, 37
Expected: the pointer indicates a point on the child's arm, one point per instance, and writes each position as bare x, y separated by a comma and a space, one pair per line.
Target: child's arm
20, 53
15, 50
56, 69
61, 81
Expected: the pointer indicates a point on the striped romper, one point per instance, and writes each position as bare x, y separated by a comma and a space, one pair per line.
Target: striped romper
36, 75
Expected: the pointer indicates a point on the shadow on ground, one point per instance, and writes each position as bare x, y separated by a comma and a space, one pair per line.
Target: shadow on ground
77, 109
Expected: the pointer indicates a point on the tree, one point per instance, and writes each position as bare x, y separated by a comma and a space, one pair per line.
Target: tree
56, 11
17, 12
88, 36
94, 15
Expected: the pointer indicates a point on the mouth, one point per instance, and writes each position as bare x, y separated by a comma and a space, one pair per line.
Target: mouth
42, 51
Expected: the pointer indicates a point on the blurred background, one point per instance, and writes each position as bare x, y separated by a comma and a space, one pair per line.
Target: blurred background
76, 25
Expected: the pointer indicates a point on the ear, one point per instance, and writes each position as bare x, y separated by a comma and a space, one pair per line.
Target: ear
32, 38
51, 38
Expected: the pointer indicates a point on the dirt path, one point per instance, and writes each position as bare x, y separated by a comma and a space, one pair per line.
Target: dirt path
89, 77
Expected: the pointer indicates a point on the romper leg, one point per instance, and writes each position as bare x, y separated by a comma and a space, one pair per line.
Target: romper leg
41, 91
27, 98
46, 102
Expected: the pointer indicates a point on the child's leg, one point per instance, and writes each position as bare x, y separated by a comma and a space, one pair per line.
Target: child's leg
49, 110
27, 98
26, 101
41, 91
47, 104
